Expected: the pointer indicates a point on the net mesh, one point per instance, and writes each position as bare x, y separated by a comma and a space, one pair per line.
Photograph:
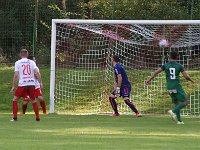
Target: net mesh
84, 71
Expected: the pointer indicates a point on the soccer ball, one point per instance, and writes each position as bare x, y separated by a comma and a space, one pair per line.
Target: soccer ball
163, 43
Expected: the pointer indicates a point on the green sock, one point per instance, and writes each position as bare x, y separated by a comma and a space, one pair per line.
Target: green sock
178, 116
178, 107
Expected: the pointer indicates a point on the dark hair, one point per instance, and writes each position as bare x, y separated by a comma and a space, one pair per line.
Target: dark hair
116, 58
173, 55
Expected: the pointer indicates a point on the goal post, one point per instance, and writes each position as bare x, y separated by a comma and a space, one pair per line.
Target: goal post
52, 75
82, 74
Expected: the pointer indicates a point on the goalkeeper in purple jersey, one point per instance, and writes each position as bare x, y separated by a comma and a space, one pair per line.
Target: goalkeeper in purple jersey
122, 88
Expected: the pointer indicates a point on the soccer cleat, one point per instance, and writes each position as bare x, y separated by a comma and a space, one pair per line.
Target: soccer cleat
114, 115
44, 113
173, 115
13, 119
138, 115
180, 122
37, 119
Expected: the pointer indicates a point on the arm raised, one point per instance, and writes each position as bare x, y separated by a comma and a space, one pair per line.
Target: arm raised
186, 76
154, 75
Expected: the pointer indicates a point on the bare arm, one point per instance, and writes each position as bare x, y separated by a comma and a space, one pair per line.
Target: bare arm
154, 75
38, 76
15, 79
186, 76
119, 83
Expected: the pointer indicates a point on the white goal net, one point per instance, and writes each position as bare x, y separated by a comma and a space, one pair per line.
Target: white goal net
82, 73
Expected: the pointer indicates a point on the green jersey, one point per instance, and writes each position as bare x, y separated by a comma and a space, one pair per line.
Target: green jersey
173, 70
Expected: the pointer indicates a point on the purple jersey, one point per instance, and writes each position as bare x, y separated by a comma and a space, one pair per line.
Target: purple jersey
118, 69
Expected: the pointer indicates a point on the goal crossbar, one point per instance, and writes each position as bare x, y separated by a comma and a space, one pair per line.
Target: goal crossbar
150, 22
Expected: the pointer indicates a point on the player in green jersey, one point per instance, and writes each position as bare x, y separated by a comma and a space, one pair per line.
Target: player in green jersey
173, 70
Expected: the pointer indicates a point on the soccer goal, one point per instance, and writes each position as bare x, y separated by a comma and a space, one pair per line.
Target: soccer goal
82, 73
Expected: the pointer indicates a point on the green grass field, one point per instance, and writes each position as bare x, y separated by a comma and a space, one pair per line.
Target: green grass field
78, 83
93, 131
98, 132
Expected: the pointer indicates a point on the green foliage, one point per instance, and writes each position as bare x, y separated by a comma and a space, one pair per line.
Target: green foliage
3, 59
17, 17
138, 9
15, 28
43, 54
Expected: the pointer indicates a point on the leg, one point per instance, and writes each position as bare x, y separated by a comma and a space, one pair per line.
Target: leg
42, 103
178, 116
113, 103
38, 94
176, 110
132, 106
125, 93
15, 107
174, 100
180, 106
18, 93
31, 93
24, 106
26, 99
182, 101
36, 110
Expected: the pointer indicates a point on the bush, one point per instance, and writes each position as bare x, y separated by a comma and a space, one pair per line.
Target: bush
3, 60
43, 54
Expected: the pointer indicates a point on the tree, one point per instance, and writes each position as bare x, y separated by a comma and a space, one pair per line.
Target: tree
16, 26
138, 9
